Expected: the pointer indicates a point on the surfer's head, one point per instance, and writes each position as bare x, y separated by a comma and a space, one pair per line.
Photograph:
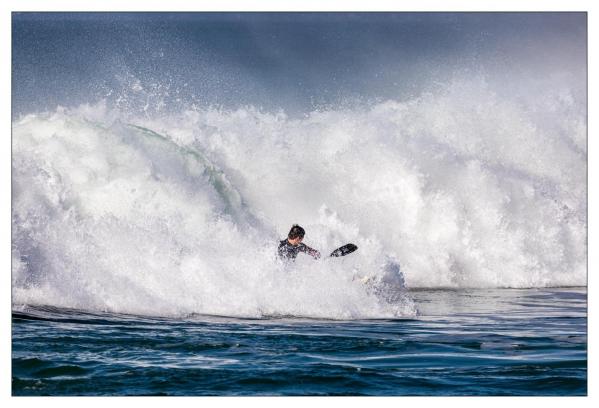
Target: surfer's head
296, 234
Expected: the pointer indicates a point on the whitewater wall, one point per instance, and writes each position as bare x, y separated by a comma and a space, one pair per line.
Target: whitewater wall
181, 213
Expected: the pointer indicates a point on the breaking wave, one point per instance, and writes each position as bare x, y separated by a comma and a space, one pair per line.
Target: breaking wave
181, 213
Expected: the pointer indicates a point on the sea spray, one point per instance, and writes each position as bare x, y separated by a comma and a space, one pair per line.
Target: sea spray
181, 213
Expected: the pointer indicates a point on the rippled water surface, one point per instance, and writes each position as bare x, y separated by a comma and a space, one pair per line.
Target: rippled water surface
466, 342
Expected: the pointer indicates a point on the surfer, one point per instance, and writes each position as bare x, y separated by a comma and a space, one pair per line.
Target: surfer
290, 247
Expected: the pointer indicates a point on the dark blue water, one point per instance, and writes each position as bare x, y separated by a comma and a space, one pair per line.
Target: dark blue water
466, 342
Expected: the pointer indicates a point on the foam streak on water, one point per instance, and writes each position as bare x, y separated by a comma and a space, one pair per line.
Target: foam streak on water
180, 213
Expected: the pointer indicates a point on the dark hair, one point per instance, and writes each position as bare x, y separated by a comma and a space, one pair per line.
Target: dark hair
295, 232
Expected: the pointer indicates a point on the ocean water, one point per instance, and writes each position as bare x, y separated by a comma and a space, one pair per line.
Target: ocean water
158, 159
463, 342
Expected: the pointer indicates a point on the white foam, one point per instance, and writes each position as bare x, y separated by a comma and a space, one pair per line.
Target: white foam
463, 188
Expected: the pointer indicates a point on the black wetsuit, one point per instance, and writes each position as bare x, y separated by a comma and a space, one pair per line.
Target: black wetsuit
289, 252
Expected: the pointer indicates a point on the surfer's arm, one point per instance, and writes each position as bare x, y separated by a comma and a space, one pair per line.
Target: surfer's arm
310, 251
